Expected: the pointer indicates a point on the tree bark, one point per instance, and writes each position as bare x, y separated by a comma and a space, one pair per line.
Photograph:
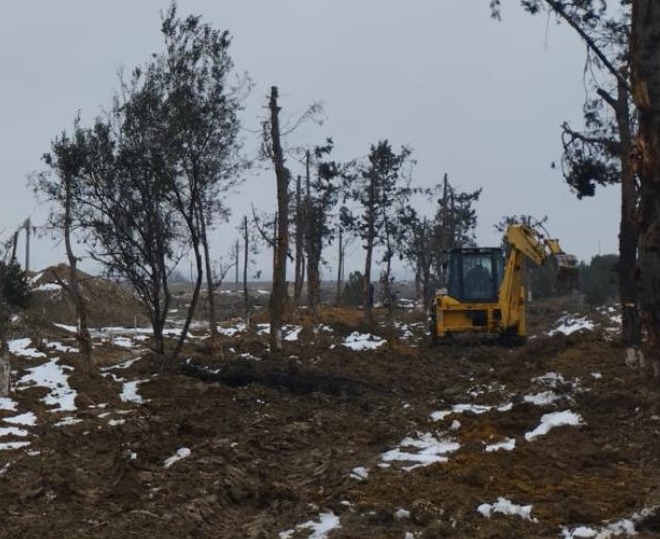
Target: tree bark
367, 295
246, 296
312, 244
5, 374
279, 292
214, 335
645, 74
631, 330
5, 365
299, 267
340, 267
73, 285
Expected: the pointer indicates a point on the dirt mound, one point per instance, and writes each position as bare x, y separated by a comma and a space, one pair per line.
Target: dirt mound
109, 304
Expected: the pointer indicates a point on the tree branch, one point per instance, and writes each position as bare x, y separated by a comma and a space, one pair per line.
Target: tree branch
558, 8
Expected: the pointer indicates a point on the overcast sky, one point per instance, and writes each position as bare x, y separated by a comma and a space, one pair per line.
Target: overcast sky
477, 99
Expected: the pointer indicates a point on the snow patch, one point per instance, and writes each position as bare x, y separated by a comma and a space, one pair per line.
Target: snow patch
22, 348
328, 521
181, 453
423, 450
52, 376
555, 419
363, 341
506, 507
27, 419
507, 445
569, 324
360, 473
129, 392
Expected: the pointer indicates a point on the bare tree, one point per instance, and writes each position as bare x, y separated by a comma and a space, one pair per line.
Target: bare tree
278, 298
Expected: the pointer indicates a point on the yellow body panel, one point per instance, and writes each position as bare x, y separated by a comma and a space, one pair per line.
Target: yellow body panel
453, 316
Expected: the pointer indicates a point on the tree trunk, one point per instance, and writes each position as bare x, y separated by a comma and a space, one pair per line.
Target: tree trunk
388, 295
645, 63
5, 366
279, 292
313, 277
160, 307
340, 268
195, 297
237, 256
5, 374
631, 334
246, 296
28, 229
214, 335
299, 267
367, 287
73, 286
313, 243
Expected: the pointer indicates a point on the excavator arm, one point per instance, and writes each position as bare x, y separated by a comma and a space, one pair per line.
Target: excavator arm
532, 243
527, 243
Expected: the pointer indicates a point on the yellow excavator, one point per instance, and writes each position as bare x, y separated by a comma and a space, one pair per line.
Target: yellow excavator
485, 290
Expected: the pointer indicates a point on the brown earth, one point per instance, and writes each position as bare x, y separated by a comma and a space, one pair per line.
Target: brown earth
274, 440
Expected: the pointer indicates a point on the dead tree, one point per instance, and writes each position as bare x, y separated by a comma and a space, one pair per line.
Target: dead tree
279, 292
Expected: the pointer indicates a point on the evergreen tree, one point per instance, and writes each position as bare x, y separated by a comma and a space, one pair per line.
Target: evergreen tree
378, 187
321, 196
599, 279
16, 290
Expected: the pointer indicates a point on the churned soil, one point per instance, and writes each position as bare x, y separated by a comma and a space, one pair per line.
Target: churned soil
272, 441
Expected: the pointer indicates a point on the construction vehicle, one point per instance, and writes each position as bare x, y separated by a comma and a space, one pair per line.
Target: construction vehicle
485, 290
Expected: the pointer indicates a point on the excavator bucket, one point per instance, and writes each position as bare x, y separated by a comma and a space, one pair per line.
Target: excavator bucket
567, 271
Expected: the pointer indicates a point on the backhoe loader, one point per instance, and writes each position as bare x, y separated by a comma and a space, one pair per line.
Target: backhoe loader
485, 290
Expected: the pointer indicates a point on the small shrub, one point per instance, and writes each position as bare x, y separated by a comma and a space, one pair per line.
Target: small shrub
15, 286
352, 293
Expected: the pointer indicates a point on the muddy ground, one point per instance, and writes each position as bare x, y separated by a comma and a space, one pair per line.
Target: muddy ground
275, 441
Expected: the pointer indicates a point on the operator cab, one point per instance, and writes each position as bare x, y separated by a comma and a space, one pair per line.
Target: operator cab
475, 274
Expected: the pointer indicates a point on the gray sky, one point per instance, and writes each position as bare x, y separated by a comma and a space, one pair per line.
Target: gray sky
480, 100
